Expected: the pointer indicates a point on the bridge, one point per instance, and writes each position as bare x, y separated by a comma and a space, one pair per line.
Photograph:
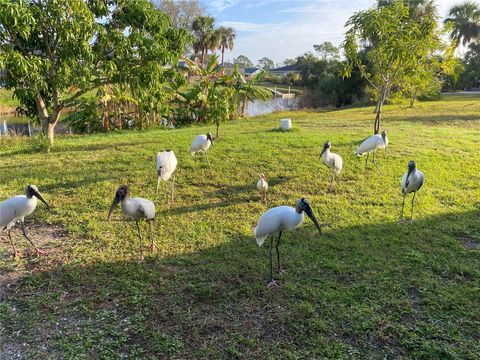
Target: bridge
280, 94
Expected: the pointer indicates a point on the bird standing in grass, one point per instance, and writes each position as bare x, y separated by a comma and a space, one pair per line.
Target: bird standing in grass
136, 209
201, 144
412, 181
371, 145
16, 209
166, 165
262, 186
331, 160
277, 220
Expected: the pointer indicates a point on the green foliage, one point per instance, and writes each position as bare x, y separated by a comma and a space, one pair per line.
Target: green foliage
397, 42
266, 63
327, 50
53, 47
40, 143
465, 21
243, 61
370, 288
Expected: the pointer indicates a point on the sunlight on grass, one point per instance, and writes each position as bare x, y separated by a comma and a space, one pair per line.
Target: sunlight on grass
370, 288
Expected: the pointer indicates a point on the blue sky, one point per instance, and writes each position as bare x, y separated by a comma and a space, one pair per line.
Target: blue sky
280, 29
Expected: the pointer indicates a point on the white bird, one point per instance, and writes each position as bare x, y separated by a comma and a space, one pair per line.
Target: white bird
277, 220
136, 209
331, 160
372, 144
166, 165
412, 181
16, 209
262, 186
201, 144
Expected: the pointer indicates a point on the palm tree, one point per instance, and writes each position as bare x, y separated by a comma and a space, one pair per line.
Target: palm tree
465, 19
227, 38
203, 28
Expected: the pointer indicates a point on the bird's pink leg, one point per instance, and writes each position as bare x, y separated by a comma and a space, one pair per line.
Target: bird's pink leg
15, 251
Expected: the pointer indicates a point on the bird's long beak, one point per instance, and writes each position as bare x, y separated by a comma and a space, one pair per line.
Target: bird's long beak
311, 215
40, 197
116, 200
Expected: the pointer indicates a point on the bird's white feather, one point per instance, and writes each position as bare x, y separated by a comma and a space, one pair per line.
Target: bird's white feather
373, 143
333, 161
277, 219
138, 208
262, 185
168, 161
200, 143
15, 209
415, 181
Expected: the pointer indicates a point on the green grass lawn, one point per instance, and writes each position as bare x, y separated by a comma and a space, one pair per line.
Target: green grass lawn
6, 99
369, 288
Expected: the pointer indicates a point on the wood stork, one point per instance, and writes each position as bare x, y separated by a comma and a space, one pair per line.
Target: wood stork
277, 220
371, 145
262, 186
136, 209
412, 181
166, 165
201, 143
16, 209
332, 161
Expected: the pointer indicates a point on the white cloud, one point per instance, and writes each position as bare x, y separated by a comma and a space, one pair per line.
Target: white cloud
308, 23
221, 5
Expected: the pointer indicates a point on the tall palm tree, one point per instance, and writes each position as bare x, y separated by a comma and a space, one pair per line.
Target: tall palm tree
203, 28
227, 39
466, 22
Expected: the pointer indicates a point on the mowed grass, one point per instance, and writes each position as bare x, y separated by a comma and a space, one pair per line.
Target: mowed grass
369, 288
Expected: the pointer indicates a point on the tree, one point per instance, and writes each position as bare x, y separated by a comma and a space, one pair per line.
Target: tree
395, 43
49, 47
243, 61
227, 39
248, 90
206, 36
287, 62
327, 50
181, 12
465, 22
265, 63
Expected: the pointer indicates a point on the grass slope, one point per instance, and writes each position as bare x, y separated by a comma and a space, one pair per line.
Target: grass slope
370, 288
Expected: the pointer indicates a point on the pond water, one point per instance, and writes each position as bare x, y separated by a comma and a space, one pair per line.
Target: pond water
18, 124
259, 107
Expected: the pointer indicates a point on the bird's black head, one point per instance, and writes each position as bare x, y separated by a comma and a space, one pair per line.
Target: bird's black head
304, 205
326, 146
32, 190
411, 166
210, 137
384, 134
121, 193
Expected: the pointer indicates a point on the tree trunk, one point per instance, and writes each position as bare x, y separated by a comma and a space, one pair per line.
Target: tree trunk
413, 98
223, 50
378, 109
50, 132
244, 106
218, 125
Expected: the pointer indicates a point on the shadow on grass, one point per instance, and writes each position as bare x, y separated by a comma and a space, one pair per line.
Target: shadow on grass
382, 289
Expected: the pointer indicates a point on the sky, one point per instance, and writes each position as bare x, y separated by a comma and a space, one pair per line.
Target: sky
281, 29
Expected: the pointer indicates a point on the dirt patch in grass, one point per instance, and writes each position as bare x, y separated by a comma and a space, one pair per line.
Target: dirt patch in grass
469, 243
48, 237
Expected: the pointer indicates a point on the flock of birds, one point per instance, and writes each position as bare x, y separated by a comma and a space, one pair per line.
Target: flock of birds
273, 221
